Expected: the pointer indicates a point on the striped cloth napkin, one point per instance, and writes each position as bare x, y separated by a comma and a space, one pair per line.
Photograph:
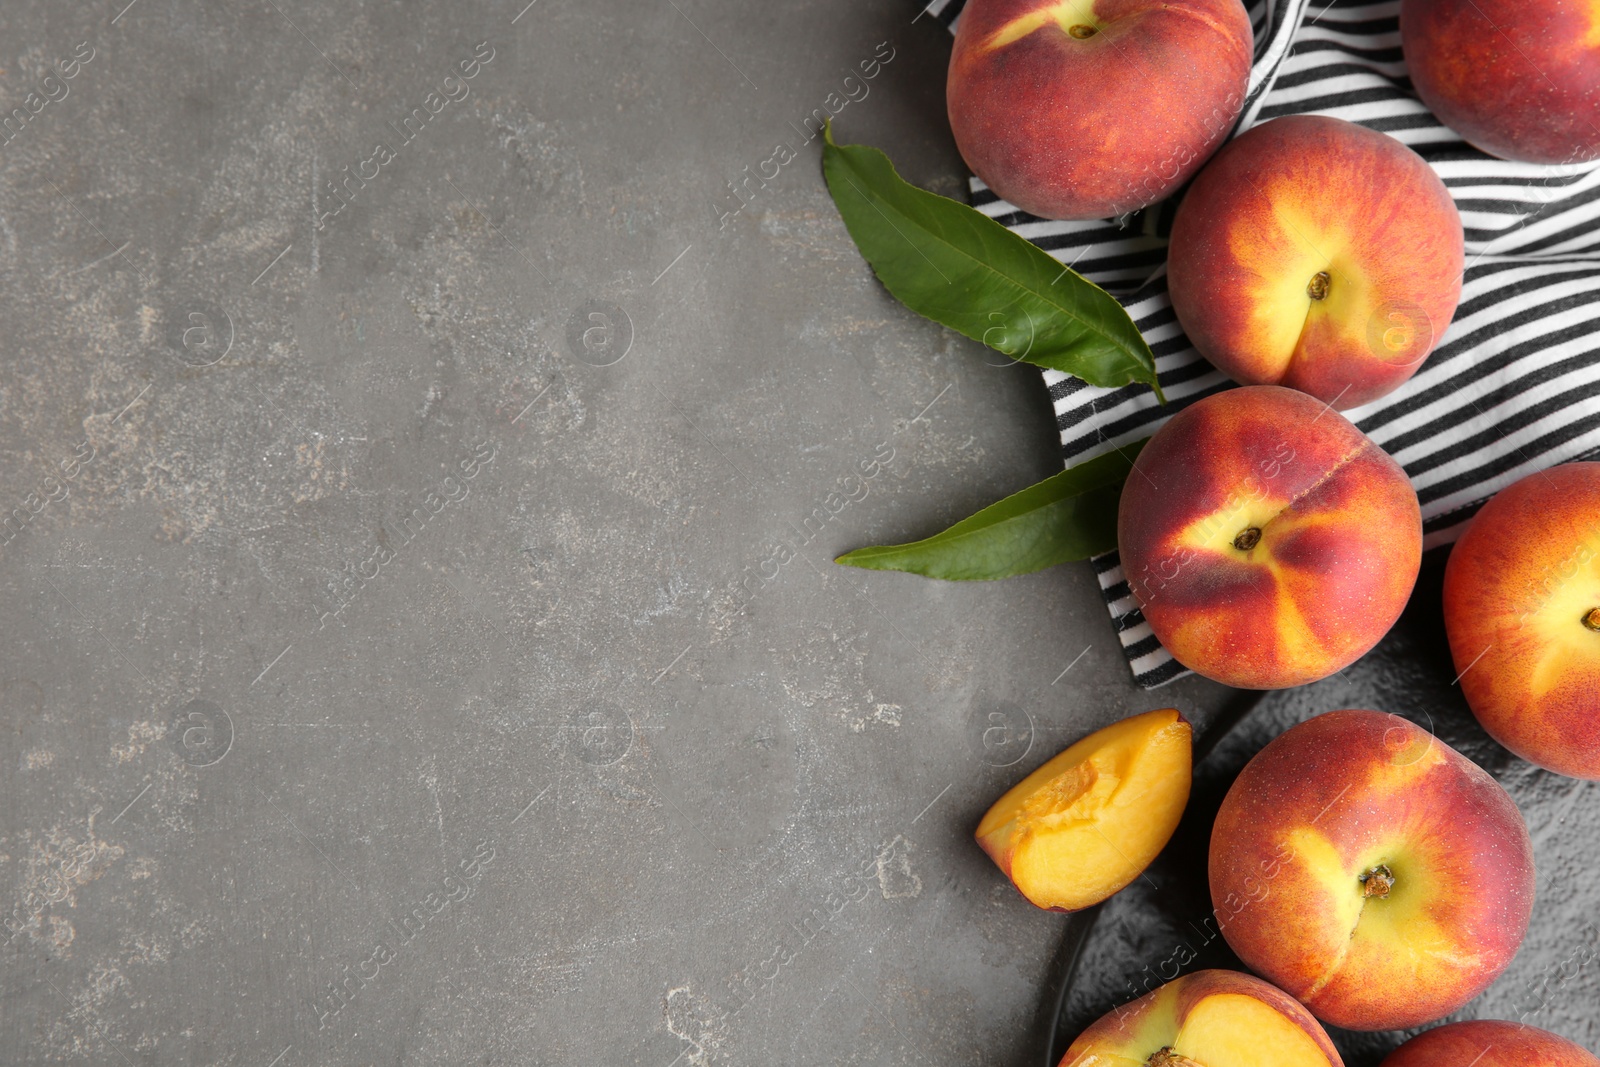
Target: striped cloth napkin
1514, 385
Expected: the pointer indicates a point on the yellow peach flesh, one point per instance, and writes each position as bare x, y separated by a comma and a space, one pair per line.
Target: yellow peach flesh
1206, 1019
1090, 820
1232, 1030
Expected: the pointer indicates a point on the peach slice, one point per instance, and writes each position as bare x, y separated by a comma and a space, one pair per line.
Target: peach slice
1090, 821
1206, 1019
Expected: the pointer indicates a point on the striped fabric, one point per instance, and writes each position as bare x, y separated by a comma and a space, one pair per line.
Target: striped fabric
1514, 385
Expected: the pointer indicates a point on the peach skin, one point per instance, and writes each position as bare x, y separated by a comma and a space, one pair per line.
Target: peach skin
1408, 881
1316, 254
1090, 820
1084, 109
1206, 1019
1268, 541
1522, 611
1519, 79
1489, 1043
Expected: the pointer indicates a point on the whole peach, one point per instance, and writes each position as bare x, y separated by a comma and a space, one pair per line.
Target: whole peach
1317, 254
1522, 611
1403, 878
1268, 541
1519, 79
1083, 109
1489, 1043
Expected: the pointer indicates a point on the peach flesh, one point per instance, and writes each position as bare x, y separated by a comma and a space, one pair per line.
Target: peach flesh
1085, 824
1211, 1018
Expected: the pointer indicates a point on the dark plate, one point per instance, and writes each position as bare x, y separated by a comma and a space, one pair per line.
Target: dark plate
1115, 952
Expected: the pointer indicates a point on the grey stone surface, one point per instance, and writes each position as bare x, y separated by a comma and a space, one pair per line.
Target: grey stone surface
404, 661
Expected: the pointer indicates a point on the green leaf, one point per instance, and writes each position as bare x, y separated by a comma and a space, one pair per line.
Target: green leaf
1071, 515
959, 267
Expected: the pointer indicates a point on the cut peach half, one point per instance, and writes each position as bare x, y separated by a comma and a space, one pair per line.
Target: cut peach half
1090, 821
1206, 1019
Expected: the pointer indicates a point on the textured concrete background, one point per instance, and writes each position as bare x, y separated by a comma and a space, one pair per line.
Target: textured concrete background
422, 645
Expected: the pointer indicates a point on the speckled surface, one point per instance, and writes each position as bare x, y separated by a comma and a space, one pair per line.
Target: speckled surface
422, 645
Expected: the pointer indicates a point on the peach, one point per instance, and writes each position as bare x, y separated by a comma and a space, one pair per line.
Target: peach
1519, 79
1090, 820
1404, 876
1084, 109
1317, 254
1206, 1019
1489, 1043
1267, 540
1522, 611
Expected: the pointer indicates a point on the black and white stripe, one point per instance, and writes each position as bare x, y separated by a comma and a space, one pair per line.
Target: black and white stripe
1514, 386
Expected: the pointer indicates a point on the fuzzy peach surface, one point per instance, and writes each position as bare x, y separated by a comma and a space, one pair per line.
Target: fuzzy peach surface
1519, 79
1339, 538
1347, 794
1489, 1043
1092, 108
1317, 254
1519, 592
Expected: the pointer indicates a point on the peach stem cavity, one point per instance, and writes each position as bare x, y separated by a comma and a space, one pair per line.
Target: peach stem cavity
1377, 881
1166, 1057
